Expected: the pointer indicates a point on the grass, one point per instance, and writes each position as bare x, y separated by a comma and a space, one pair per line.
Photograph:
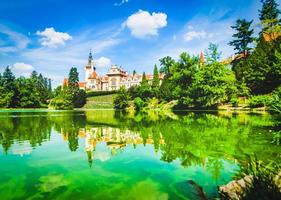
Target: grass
100, 102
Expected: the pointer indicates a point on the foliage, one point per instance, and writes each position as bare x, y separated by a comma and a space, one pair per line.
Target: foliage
275, 102
243, 36
261, 71
269, 12
166, 63
80, 98
100, 93
213, 85
182, 75
212, 54
121, 101
62, 102
33, 92
69, 96
261, 184
259, 101
139, 103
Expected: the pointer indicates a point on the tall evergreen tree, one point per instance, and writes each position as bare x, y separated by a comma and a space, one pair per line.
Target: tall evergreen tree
155, 80
73, 78
269, 14
243, 36
8, 91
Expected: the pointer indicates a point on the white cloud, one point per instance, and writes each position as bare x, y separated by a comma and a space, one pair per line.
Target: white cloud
103, 62
121, 3
15, 41
23, 66
190, 35
51, 38
143, 24
22, 69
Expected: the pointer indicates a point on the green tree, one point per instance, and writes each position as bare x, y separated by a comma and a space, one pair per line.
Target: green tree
214, 84
28, 95
155, 80
182, 75
166, 63
212, 54
243, 36
261, 71
8, 93
269, 14
73, 78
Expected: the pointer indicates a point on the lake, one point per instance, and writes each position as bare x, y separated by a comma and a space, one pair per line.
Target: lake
105, 154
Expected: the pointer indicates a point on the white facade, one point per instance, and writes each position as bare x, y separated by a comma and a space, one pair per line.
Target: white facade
113, 80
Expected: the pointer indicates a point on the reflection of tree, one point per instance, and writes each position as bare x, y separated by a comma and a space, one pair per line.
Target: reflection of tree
23, 127
68, 124
194, 138
35, 127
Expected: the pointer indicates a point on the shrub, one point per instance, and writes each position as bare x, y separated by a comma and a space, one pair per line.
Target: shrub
259, 101
275, 102
100, 93
79, 99
60, 103
121, 101
234, 101
139, 103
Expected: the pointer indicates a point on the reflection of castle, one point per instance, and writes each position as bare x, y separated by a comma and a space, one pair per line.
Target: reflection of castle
114, 138
113, 80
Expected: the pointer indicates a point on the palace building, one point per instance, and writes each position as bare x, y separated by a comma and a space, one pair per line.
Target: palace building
114, 79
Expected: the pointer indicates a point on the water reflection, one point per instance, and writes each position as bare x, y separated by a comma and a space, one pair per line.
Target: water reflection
49, 152
192, 138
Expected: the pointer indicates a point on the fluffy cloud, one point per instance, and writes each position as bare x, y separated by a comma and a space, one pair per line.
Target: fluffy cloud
103, 62
143, 24
23, 66
51, 38
196, 35
22, 69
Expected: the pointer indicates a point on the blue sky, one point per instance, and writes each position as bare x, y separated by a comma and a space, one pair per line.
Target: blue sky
53, 35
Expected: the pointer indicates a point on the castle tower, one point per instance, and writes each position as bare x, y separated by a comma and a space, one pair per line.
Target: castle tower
89, 67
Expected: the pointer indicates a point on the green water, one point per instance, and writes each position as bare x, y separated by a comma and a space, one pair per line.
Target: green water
109, 155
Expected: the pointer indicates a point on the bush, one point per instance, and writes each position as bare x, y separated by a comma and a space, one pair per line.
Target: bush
100, 93
79, 99
275, 102
259, 101
234, 101
139, 103
121, 101
60, 103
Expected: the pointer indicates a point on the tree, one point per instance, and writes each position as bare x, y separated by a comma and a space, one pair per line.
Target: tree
73, 78
269, 14
213, 84
155, 80
243, 36
212, 54
182, 75
8, 94
134, 72
166, 63
261, 71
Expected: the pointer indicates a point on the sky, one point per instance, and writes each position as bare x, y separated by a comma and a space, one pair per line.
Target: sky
51, 36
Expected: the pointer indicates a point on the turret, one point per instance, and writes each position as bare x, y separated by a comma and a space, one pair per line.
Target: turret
89, 67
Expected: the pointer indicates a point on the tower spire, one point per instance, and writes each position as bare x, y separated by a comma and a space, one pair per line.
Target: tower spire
90, 59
